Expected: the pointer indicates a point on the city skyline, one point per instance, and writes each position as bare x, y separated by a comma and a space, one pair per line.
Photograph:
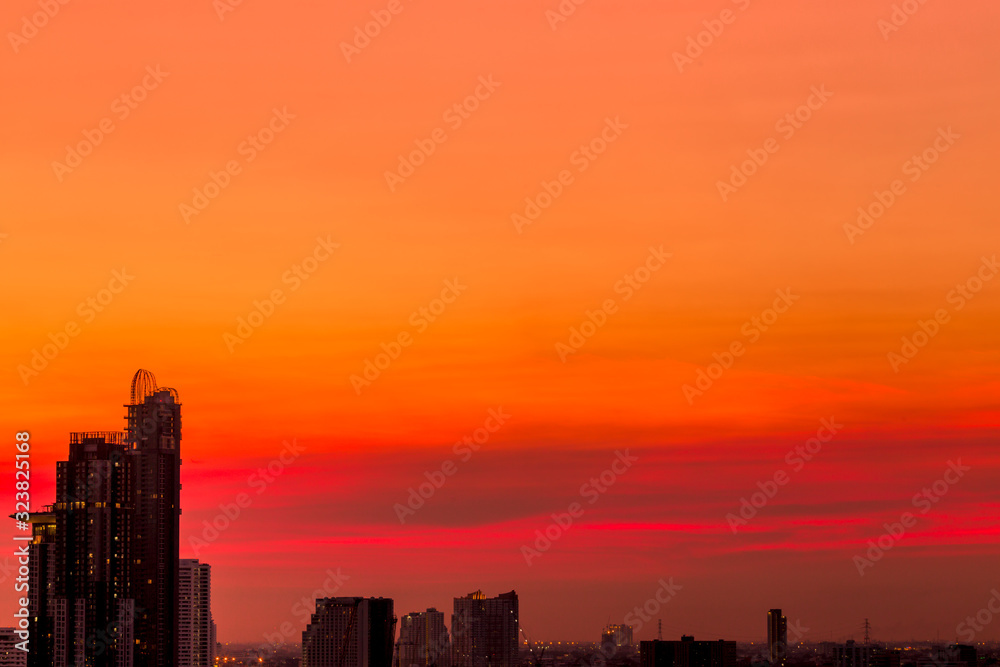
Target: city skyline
648, 311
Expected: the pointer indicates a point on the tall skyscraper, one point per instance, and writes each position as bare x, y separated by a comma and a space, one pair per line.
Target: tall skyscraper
350, 632
104, 558
423, 640
777, 637
687, 653
154, 440
484, 631
92, 607
195, 630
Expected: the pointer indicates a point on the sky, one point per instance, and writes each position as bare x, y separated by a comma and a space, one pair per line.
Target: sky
624, 264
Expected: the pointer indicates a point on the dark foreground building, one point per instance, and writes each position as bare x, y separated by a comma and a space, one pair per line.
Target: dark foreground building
104, 567
687, 653
484, 630
350, 632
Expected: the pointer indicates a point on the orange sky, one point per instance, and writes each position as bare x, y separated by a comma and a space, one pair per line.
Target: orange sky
545, 94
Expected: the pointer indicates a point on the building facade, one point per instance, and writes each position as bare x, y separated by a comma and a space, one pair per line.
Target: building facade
10, 655
92, 605
350, 632
484, 631
423, 640
777, 637
195, 630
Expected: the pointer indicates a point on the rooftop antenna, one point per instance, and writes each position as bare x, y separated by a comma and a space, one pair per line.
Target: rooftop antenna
659, 633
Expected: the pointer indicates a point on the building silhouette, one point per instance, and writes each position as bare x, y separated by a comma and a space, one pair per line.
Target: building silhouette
195, 630
777, 637
92, 608
154, 440
687, 653
484, 630
617, 638
423, 640
104, 566
349, 632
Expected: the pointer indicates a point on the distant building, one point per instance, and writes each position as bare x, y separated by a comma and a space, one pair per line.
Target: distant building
350, 632
777, 637
10, 656
616, 638
423, 640
195, 629
484, 631
687, 653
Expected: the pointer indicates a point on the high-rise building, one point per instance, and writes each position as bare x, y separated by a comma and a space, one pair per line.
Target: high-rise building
92, 608
154, 439
617, 638
104, 558
195, 629
484, 631
350, 632
10, 655
777, 637
423, 640
687, 653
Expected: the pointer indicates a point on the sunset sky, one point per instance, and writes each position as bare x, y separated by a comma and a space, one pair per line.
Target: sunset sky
224, 158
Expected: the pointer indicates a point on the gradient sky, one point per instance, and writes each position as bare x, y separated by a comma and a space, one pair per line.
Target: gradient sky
891, 95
